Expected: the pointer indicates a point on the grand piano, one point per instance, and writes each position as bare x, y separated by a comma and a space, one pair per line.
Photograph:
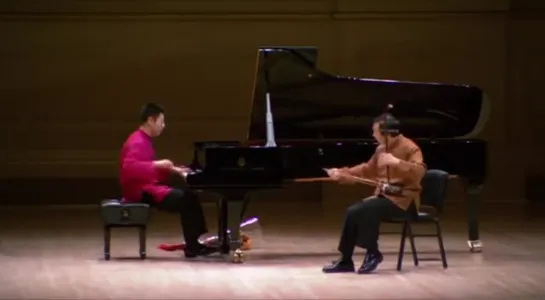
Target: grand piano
304, 119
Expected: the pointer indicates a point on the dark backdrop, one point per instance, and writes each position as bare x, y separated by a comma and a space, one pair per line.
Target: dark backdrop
74, 74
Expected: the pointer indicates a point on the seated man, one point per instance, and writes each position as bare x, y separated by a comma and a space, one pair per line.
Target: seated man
403, 166
142, 179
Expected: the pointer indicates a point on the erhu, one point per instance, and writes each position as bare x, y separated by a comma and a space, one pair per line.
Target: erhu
389, 127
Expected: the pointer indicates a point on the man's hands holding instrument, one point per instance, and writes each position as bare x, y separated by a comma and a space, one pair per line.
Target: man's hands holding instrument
334, 173
386, 188
341, 175
387, 159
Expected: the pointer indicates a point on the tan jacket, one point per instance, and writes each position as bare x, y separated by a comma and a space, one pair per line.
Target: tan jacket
409, 172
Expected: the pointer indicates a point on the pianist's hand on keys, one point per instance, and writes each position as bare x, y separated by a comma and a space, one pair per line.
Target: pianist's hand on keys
182, 171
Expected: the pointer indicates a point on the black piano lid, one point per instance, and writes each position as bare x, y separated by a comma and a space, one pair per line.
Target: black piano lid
310, 104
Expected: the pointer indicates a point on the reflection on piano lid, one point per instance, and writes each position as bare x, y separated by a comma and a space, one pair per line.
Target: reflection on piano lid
310, 104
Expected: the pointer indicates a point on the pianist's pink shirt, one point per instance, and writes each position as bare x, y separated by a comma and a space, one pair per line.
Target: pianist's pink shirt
137, 173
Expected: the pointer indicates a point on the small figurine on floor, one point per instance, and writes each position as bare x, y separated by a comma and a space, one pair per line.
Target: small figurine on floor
246, 244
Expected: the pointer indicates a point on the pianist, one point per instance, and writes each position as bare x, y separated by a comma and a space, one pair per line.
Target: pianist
142, 179
404, 166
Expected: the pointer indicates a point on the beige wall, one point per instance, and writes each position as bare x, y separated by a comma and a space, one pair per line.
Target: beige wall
74, 74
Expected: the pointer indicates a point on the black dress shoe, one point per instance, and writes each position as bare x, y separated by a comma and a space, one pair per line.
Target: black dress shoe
201, 251
340, 266
370, 263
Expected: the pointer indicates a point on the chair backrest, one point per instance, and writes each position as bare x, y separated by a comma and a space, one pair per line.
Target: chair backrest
434, 189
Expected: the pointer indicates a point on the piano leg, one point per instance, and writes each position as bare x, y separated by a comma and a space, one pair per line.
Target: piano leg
474, 196
223, 236
232, 207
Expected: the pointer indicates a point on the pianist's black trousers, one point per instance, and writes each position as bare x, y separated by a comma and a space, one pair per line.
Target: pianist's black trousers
187, 204
362, 224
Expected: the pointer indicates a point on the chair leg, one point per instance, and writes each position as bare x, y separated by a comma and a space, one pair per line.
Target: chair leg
402, 247
142, 241
441, 246
107, 238
413, 247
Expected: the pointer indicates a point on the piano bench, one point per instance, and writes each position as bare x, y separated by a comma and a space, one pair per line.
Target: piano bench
116, 214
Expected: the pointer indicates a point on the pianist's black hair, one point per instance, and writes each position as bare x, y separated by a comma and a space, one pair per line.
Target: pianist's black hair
388, 124
150, 110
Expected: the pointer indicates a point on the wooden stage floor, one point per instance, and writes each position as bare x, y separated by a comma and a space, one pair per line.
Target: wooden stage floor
57, 253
